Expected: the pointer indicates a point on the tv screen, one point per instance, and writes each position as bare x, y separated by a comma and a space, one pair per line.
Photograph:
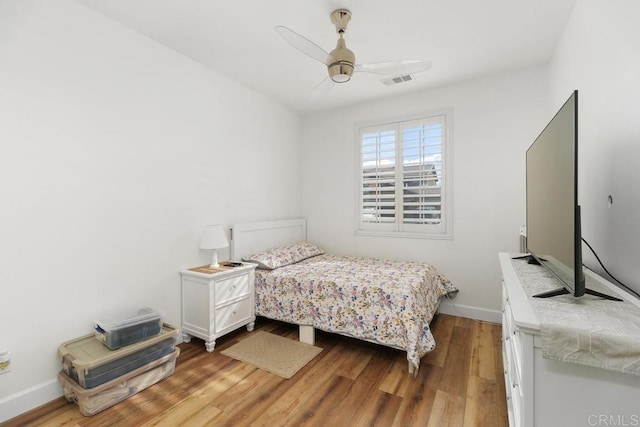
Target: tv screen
553, 213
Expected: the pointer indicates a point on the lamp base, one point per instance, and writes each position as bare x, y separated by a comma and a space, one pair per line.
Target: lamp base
214, 260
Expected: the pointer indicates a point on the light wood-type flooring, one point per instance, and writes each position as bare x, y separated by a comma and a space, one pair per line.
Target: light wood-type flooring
350, 383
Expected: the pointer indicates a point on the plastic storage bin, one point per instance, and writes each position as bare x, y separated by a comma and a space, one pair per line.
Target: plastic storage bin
129, 328
90, 364
108, 394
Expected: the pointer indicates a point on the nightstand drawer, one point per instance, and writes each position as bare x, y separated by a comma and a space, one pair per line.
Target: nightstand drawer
232, 314
230, 288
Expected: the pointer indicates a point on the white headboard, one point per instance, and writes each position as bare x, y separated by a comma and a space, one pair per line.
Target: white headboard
253, 237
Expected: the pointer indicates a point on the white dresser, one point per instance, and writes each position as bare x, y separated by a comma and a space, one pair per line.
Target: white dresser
217, 301
544, 392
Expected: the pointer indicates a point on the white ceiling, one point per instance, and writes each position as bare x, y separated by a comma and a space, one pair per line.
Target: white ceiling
463, 38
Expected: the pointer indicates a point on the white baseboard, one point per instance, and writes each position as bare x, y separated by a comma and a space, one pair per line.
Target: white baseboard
449, 307
25, 400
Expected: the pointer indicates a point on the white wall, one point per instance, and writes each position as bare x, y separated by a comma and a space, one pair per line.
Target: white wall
599, 54
114, 153
495, 119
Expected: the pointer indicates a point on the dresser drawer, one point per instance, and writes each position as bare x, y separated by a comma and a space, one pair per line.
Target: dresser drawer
507, 388
231, 288
514, 387
512, 337
232, 314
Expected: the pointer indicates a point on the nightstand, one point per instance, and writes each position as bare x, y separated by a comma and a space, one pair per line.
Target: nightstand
217, 301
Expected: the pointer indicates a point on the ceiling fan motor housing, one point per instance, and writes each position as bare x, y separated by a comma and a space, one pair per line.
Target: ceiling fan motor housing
341, 63
342, 60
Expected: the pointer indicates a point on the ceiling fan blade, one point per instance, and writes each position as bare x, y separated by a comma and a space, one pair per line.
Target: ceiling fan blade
304, 45
395, 68
322, 89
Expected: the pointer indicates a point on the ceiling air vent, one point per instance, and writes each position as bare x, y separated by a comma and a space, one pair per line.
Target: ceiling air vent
398, 79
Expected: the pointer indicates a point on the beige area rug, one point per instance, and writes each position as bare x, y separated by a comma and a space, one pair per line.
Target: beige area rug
279, 355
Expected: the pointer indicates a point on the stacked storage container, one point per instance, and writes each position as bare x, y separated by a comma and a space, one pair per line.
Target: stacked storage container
124, 356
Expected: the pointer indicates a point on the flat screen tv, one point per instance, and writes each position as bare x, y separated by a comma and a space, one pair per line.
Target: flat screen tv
554, 237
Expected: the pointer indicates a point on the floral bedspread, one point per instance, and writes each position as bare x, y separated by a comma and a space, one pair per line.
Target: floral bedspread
389, 302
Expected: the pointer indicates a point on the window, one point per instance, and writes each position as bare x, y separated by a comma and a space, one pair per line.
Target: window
404, 183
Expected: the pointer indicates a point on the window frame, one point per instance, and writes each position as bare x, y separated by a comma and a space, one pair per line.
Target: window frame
398, 228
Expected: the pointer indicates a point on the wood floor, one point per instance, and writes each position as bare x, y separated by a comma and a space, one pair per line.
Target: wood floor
350, 383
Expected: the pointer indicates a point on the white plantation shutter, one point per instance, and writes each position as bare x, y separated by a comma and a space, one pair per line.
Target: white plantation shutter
422, 171
378, 171
402, 178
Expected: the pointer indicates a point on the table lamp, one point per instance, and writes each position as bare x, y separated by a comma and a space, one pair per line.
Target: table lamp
213, 237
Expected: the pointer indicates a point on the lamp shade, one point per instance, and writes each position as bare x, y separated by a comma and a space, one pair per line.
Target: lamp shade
213, 237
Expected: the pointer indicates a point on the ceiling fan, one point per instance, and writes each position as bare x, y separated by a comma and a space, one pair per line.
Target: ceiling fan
341, 62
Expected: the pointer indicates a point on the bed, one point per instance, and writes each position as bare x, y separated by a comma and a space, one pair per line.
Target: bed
383, 301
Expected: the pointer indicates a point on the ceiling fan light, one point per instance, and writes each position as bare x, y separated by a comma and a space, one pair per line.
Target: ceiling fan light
341, 78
